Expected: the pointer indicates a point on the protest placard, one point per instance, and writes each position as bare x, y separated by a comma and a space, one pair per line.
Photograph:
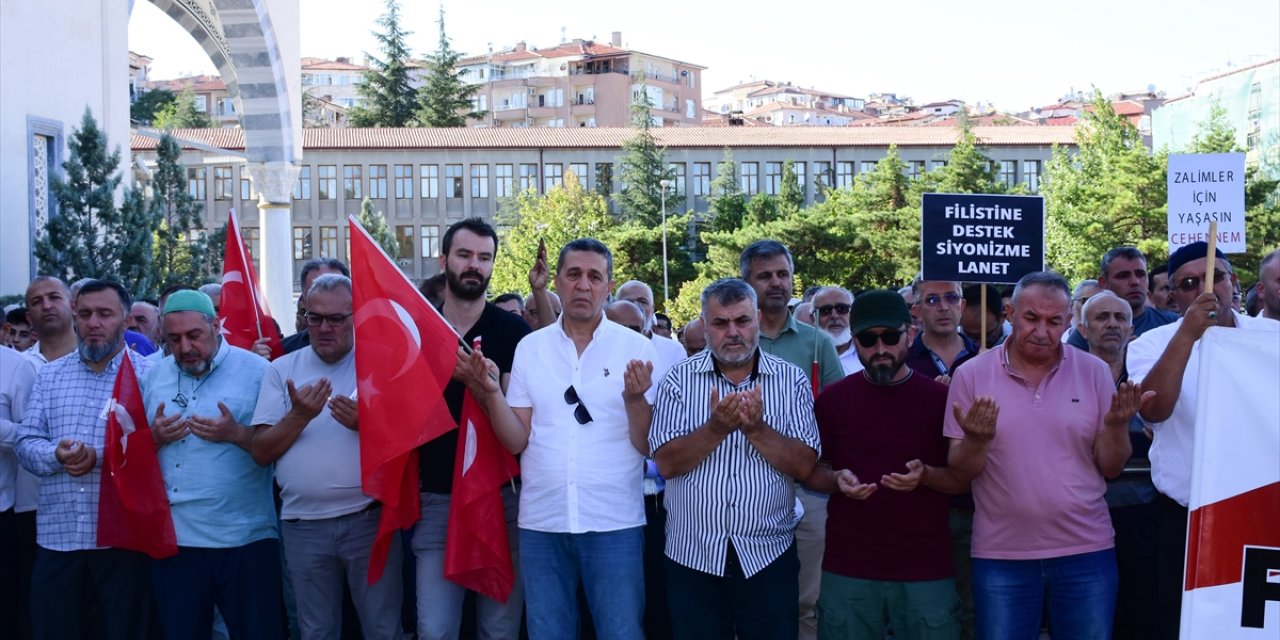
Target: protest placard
1204, 188
981, 237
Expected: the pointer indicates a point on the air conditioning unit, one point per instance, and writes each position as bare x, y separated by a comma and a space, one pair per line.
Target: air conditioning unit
404, 263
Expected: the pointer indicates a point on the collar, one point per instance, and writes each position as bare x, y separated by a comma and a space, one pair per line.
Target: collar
1008, 368
918, 347
600, 323
219, 356
704, 362
111, 366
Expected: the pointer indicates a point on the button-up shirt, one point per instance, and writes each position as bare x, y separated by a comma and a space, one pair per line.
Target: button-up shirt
579, 477
69, 402
735, 495
17, 377
219, 497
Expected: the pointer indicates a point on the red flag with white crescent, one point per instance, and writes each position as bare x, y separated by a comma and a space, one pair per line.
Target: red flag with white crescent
243, 313
405, 354
133, 510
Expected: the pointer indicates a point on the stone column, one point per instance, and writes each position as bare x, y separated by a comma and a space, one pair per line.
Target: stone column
274, 182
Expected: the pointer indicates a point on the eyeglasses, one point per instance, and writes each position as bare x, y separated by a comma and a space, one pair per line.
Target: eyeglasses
889, 337
1192, 283
934, 299
580, 412
334, 320
828, 309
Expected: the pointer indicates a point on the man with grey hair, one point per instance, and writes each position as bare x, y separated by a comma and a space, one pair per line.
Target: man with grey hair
201, 400
1041, 531
144, 318
59, 441
669, 351
214, 291
1123, 271
311, 270
768, 267
307, 422
736, 574
831, 307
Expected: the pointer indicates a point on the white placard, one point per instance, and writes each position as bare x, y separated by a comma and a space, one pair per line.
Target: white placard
1204, 187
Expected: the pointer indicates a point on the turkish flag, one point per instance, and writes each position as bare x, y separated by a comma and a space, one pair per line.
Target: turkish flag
476, 553
133, 510
244, 314
405, 354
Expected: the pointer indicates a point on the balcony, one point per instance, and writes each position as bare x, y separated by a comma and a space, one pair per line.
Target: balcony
507, 112
658, 77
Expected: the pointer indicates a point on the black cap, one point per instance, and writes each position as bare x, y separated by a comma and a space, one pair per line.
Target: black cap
878, 308
1188, 252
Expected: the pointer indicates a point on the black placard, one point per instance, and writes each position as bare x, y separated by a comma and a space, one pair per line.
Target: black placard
981, 237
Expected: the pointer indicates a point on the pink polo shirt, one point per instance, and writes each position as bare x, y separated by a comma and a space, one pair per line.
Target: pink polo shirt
1040, 494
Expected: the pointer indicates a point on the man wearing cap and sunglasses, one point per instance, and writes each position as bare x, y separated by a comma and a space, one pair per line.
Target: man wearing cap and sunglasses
1166, 360
886, 468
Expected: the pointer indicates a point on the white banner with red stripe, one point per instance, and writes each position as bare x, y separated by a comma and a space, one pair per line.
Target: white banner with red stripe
1232, 581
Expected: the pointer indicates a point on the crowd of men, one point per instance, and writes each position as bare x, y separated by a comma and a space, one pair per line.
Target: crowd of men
871, 464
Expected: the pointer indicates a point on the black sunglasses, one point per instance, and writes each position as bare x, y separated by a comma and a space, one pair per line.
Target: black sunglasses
827, 309
889, 337
580, 412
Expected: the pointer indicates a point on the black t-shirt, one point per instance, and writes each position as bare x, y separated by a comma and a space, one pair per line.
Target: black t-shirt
499, 332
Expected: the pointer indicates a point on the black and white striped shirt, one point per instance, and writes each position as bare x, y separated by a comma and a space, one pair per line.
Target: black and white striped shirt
734, 495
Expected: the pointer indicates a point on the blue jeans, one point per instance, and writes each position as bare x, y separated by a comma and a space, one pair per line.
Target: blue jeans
440, 600
322, 554
608, 564
1010, 595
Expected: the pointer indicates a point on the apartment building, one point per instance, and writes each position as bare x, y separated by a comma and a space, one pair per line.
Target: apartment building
781, 103
333, 81
582, 83
211, 97
425, 179
1249, 94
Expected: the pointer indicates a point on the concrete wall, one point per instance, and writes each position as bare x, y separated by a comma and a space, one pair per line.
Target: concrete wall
42, 46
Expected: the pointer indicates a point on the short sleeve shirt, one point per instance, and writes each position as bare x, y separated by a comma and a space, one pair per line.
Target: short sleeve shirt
579, 477
802, 345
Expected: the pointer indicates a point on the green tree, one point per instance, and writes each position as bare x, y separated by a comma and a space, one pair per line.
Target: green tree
182, 113
180, 248
88, 236
216, 250
968, 168
565, 213
790, 192
643, 169
637, 253
728, 204
388, 98
145, 107
137, 219
376, 224
446, 99
1111, 192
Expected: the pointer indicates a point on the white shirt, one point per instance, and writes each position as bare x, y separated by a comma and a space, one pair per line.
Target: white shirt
669, 353
579, 477
849, 360
1175, 437
319, 475
18, 488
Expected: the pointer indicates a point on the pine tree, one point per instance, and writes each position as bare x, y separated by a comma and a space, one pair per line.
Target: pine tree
182, 113
728, 204
179, 243
791, 192
389, 99
85, 239
445, 100
138, 219
145, 107
968, 169
376, 224
643, 169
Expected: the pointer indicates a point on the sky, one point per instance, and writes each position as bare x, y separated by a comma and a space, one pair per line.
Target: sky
1014, 55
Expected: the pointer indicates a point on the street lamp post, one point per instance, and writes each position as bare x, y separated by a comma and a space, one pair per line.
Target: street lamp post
666, 298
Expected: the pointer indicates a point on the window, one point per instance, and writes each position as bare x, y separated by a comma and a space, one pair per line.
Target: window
195, 183
844, 174
430, 241
528, 177
222, 183
915, 168
302, 243
801, 178
378, 181
677, 178
1031, 173
604, 178
404, 238
202, 103
701, 178
328, 179
690, 109
479, 181
329, 241
430, 180
352, 182
750, 178
505, 183
868, 166
822, 174
404, 181
553, 176
1253, 130
302, 188
246, 188
580, 169
453, 181
252, 241
1008, 172
939, 164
